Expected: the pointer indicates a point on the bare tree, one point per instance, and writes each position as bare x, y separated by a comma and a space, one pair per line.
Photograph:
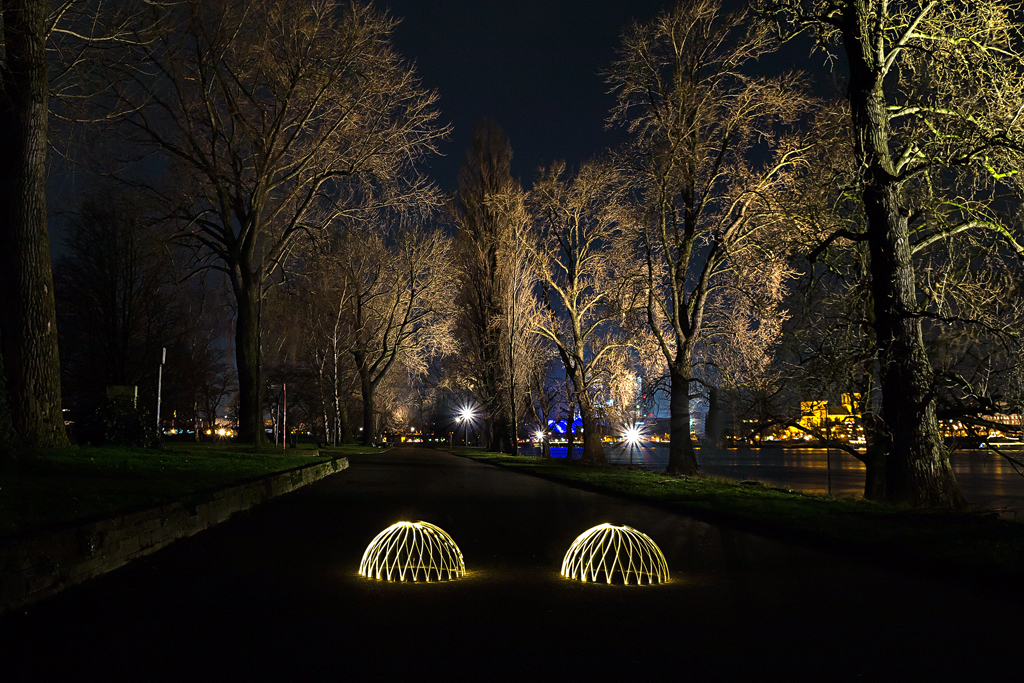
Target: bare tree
276, 118
621, 382
584, 283
935, 100
400, 308
485, 242
44, 48
116, 301
544, 393
703, 206
328, 337
28, 326
516, 279
745, 361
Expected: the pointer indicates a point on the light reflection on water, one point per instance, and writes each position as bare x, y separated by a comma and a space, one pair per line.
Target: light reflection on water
987, 480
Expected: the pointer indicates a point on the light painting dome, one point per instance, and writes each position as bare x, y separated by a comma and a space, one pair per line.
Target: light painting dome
412, 551
615, 553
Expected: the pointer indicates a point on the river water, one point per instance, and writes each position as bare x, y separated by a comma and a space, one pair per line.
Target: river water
988, 481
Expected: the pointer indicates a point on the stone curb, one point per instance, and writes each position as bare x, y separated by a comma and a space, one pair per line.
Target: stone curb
37, 567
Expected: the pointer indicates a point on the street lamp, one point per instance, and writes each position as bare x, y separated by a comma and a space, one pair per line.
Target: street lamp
631, 436
466, 415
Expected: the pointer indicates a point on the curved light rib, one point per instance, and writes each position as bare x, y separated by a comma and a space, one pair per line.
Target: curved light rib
412, 551
608, 552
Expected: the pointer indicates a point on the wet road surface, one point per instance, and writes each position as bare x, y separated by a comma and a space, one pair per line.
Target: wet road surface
274, 594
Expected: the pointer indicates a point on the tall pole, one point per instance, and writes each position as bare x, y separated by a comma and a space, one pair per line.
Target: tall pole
284, 419
160, 384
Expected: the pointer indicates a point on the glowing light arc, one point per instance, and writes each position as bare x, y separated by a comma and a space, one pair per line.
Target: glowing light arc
412, 551
608, 552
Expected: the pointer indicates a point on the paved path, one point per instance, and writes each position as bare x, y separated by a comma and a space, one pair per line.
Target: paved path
274, 594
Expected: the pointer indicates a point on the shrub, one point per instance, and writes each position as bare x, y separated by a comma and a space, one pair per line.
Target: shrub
117, 422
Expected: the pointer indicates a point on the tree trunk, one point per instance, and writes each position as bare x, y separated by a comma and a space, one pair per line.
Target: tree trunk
570, 432
874, 479
6, 426
513, 417
499, 439
512, 436
366, 387
247, 355
682, 458
344, 426
28, 317
539, 409
713, 423
917, 469
873, 458
593, 448
342, 429
327, 427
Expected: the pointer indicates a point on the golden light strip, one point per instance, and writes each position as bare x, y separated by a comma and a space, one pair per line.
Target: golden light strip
412, 551
607, 550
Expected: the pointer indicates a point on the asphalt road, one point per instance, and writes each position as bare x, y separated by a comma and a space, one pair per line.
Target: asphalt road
274, 594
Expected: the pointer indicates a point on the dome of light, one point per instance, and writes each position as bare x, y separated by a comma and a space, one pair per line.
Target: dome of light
412, 551
615, 554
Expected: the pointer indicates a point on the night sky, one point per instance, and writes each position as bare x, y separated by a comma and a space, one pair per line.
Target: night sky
532, 65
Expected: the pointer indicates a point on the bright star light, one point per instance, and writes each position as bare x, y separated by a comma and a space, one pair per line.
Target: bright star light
632, 435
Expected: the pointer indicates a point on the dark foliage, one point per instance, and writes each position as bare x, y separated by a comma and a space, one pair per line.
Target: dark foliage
118, 422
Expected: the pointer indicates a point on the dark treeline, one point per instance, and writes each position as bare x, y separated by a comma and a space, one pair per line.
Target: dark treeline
257, 206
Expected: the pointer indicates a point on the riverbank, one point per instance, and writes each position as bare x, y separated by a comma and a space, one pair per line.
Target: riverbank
970, 545
989, 481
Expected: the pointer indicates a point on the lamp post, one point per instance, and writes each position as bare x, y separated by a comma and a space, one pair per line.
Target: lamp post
160, 384
465, 416
541, 437
282, 424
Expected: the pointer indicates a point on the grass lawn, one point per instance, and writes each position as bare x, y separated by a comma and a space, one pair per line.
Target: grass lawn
89, 482
970, 545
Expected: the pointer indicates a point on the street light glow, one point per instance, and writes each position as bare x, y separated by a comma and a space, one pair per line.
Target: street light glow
632, 435
539, 435
466, 415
